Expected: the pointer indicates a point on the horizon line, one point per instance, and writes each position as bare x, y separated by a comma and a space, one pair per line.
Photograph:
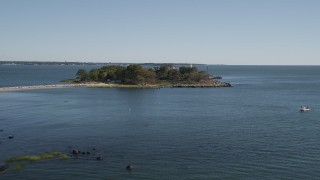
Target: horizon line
110, 62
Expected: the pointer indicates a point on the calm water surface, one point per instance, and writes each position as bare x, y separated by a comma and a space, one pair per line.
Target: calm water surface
253, 130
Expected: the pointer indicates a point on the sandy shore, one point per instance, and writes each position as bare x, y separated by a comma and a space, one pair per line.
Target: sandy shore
55, 86
83, 85
102, 85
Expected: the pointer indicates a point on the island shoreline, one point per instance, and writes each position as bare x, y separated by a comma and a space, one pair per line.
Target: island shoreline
104, 85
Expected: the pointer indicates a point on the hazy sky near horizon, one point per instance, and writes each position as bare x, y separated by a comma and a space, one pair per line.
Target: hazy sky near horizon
261, 32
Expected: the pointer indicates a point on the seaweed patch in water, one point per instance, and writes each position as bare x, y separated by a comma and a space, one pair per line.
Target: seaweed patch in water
49, 155
18, 166
21, 161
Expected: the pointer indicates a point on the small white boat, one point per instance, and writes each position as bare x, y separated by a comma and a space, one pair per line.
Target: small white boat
304, 108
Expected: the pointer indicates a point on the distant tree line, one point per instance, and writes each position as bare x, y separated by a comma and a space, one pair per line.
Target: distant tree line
136, 74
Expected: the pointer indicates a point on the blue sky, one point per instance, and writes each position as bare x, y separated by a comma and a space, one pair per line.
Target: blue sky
262, 32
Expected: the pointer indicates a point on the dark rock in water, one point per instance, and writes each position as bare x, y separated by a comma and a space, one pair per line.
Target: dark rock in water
99, 158
1, 130
88, 152
129, 167
10, 137
83, 152
76, 152
94, 149
3, 168
228, 85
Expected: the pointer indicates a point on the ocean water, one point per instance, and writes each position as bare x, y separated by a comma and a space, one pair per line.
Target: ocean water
25, 75
253, 130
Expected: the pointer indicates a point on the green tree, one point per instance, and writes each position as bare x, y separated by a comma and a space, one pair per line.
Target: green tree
136, 74
102, 77
188, 70
174, 75
162, 72
112, 73
82, 75
94, 75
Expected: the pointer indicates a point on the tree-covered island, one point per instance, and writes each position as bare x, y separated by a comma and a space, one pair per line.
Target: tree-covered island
137, 76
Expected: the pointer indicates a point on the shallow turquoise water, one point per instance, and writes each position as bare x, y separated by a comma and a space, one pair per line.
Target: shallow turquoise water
250, 131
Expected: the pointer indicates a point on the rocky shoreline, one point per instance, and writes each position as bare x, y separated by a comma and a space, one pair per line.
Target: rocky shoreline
103, 85
217, 84
35, 87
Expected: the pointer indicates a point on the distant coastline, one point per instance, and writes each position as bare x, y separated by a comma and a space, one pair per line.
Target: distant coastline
74, 63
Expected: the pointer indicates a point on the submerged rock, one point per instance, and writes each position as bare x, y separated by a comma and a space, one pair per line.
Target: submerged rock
10, 137
76, 152
129, 167
99, 158
3, 168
